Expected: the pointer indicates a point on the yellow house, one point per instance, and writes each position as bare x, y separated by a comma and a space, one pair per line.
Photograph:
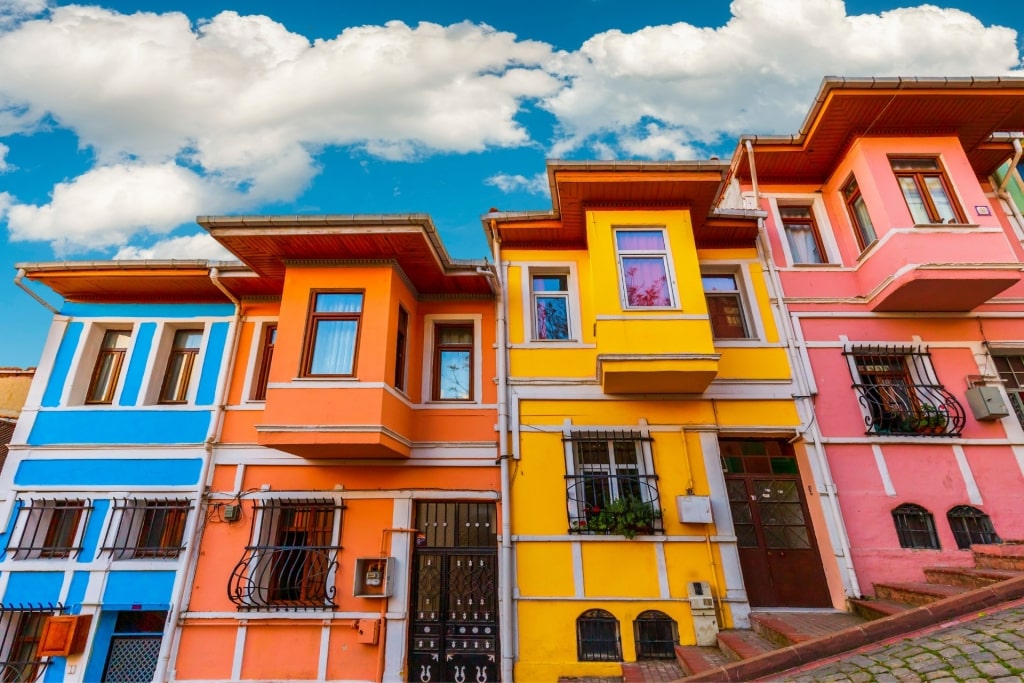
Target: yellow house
658, 485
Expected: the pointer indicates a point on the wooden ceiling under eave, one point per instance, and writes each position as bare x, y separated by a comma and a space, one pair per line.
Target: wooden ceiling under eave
132, 286
971, 114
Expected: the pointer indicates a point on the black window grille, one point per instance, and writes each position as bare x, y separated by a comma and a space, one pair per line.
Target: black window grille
597, 637
656, 635
49, 529
611, 490
21, 627
292, 558
915, 527
898, 388
147, 528
970, 525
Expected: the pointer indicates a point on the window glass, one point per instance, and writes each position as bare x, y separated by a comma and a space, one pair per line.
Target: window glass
259, 392
926, 190
333, 332
109, 361
180, 365
401, 341
551, 307
725, 307
453, 362
802, 234
863, 228
643, 264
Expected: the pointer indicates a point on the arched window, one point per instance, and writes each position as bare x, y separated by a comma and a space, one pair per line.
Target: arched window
655, 635
915, 527
597, 637
970, 525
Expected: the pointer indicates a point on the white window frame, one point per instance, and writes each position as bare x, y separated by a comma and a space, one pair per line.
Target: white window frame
752, 321
664, 254
160, 355
429, 323
40, 517
77, 389
568, 269
124, 526
821, 221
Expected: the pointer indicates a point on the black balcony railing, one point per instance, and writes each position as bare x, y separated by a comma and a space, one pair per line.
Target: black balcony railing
602, 503
285, 577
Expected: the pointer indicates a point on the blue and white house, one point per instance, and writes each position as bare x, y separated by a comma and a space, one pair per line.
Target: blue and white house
101, 490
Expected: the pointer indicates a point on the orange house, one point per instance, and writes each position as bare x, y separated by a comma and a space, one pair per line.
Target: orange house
353, 499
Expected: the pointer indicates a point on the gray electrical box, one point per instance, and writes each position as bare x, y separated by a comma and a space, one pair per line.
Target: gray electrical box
694, 509
987, 403
702, 610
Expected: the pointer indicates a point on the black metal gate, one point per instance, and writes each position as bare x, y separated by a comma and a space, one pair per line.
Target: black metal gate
454, 626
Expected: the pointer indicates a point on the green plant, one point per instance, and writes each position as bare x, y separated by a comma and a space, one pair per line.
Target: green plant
927, 419
626, 515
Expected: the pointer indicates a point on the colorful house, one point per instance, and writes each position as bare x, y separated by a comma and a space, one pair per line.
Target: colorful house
659, 487
351, 521
103, 481
900, 264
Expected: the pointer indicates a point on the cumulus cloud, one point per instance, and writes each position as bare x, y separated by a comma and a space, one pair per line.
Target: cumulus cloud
5, 166
537, 184
197, 246
13, 11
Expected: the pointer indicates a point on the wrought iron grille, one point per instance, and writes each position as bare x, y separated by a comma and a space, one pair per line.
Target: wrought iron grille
915, 527
147, 528
656, 635
49, 529
292, 558
898, 388
21, 627
970, 525
611, 490
456, 525
597, 637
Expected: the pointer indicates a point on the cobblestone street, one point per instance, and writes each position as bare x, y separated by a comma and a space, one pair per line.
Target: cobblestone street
977, 649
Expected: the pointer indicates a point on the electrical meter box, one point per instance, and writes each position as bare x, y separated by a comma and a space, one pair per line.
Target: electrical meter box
694, 509
987, 403
373, 577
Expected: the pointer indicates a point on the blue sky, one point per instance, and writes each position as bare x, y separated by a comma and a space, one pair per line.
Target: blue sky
121, 122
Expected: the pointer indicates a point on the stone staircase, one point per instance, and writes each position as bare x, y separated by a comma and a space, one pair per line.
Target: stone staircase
779, 640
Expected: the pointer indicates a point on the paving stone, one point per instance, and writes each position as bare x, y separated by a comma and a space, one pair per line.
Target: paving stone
993, 669
1009, 679
965, 672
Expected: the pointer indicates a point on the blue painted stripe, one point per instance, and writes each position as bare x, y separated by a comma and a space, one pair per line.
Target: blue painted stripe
147, 310
91, 539
150, 589
100, 647
4, 539
34, 587
62, 365
212, 364
137, 366
80, 472
55, 671
76, 592
119, 427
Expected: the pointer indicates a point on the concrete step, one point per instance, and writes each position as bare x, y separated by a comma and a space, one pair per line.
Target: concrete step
789, 628
695, 659
999, 556
871, 608
969, 577
742, 644
916, 593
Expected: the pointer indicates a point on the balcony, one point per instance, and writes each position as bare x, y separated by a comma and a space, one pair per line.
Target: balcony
643, 356
614, 504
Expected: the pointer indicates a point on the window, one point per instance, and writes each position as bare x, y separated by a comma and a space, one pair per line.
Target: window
453, 362
401, 348
656, 635
1011, 371
611, 489
147, 528
858, 210
725, 306
644, 268
49, 529
597, 637
332, 334
897, 387
21, 629
802, 234
550, 296
109, 361
926, 190
970, 525
180, 364
292, 556
259, 391
915, 527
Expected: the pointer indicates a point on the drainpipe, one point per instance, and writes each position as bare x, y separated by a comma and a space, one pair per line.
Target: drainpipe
185, 578
798, 357
1010, 172
19, 283
505, 578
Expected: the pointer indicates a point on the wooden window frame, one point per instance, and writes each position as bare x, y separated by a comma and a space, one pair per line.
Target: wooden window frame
439, 348
49, 529
267, 341
140, 520
851, 195
739, 295
315, 317
918, 176
815, 231
117, 355
188, 364
402, 349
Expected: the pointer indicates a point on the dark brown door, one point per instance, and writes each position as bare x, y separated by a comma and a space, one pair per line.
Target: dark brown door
778, 552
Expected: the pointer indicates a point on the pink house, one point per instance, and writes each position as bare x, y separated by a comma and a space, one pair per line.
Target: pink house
898, 259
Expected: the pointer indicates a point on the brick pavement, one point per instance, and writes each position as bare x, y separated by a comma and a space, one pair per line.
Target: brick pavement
977, 649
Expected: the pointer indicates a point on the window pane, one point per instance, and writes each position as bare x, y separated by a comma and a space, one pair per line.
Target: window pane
718, 283
116, 339
339, 302
646, 281
726, 315
179, 372
552, 321
455, 334
640, 240
802, 242
187, 339
863, 220
940, 199
334, 347
549, 283
914, 200
101, 390
454, 374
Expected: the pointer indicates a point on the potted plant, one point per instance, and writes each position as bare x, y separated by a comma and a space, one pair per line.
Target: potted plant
928, 419
625, 515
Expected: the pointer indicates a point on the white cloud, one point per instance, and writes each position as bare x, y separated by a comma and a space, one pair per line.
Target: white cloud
537, 184
13, 11
197, 246
5, 166
758, 72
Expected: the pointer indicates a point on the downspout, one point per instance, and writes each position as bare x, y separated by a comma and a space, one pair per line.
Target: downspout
798, 353
18, 282
1010, 172
505, 577
185, 578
